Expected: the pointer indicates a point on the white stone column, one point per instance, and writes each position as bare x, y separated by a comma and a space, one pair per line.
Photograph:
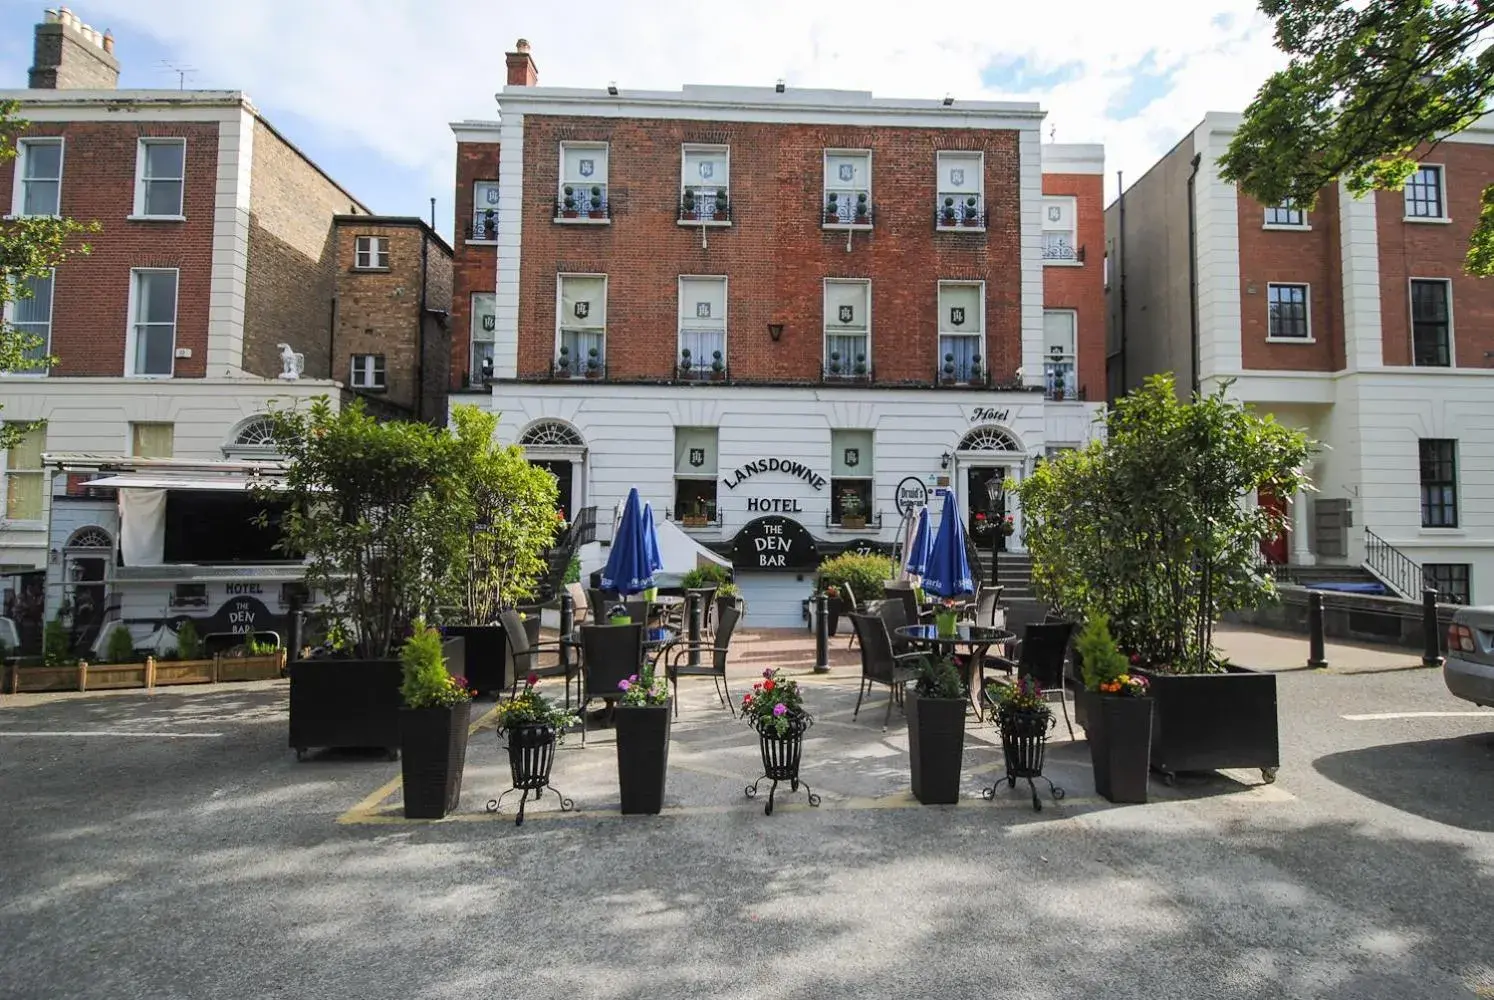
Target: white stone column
1300, 513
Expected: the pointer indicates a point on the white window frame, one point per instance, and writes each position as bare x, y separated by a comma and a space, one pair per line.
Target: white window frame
693, 477
140, 179
870, 196
9, 316
1437, 220
1266, 223
1073, 201
18, 191
377, 250
958, 225
580, 370
687, 148
584, 198
5, 473
1452, 344
679, 294
129, 365
376, 370
474, 367
940, 333
826, 333
869, 478
480, 211
1307, 305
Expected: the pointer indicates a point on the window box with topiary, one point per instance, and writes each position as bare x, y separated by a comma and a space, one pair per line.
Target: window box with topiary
593, 363
723, 213
832, 207
597, 209
949, 372
568, 208
687, 210
563, 362
948, 214
718, 366
972, 215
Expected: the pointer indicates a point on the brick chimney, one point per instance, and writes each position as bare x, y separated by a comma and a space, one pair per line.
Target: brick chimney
71, 55
521, 71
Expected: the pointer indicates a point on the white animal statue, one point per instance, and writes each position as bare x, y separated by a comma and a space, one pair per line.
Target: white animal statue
292, 363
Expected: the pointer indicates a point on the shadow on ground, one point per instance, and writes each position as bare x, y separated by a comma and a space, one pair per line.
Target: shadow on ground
1430, 778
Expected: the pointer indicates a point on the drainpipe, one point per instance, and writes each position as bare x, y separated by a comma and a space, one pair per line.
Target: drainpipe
425, 250
1193, 274
1120, 251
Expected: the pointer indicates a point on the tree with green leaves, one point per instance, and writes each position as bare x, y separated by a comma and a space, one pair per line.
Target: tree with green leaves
30, 247
375, 508
507, 507
1147, 526
1366, 86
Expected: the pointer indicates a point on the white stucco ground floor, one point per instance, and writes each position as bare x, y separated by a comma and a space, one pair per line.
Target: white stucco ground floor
777, 478
1405, 460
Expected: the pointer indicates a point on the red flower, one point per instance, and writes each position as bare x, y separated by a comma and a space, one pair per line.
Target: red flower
758, 686
768, 685
1135, 657
532, 679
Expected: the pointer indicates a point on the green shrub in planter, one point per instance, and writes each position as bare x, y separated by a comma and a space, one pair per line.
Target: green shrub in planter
705, 576
188, 645
54, 644
865, 575
121, 646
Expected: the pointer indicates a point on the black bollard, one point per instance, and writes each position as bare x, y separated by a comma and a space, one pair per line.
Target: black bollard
821, 634
1315, 658
1431, 653
293, 647
693, 612
567, 623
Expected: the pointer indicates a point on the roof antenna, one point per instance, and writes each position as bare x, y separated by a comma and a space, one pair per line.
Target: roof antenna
182, 72
433, 213
1052, 133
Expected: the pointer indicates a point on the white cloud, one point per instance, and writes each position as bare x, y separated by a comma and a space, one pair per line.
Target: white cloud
390, 74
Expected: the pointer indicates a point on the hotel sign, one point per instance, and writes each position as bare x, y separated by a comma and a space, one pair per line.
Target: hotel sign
795, 469
774, 543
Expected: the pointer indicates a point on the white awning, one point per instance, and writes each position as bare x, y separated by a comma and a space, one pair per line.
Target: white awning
141, 482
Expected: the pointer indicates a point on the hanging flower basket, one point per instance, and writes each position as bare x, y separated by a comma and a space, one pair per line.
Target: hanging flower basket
774, 709
1024, 719
531, 754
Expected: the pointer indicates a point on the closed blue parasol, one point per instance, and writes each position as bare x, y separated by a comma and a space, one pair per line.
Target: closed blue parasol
628, 569
948, 572
916, 559
651, 539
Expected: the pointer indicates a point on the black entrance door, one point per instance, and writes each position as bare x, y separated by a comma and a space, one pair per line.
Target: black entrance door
984, 513
561, 470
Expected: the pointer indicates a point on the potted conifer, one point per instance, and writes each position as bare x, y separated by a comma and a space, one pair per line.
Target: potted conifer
1118, 715
432, 727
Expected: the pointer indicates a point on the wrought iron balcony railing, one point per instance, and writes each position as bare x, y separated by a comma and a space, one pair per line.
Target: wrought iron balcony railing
1393, 566
1060, 247
968, 373
581, 355
693, 369
583, 201
955, 211
704, 204
1060, 380
848, 208
484, 225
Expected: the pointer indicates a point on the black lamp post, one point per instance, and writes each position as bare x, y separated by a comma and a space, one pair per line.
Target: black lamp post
996, 499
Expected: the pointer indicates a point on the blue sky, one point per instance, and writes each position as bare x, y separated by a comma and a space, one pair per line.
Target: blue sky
367, 87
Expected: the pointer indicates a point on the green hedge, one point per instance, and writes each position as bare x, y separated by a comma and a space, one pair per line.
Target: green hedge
864, 574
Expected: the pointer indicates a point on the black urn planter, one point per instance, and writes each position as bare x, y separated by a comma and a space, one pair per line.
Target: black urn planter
781, 756
1024, 743
1120, 746
485, 657
834, 608
433, 751
936, 747
642, 756
1204, 722
531, 755
345, 703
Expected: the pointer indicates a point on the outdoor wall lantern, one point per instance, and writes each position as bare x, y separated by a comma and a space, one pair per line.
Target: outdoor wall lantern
944, 460
775, 330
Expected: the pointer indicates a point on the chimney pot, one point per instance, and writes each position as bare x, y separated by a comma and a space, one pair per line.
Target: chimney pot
109, 42
522, 45
50, 16
521, 68
71, 55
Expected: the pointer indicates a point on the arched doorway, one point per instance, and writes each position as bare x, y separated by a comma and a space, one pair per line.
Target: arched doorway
252, 438
987, 456
87, 559
559, 448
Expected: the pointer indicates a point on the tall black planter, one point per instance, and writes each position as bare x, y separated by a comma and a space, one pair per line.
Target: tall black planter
936, 747
345, 703
642, 756
433, 747
1204, 722
1120, 746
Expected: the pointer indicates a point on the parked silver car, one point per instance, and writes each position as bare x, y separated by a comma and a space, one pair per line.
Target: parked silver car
1469, 669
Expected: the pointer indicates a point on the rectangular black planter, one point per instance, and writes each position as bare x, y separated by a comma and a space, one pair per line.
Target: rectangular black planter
1203, 722
485, 657
936, 746
433, 751
642, 756
344, 703
1120, 744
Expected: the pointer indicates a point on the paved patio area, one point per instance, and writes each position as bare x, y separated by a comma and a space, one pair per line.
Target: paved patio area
169, 845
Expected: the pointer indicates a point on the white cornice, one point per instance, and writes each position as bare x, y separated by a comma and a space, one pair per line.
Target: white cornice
475, 131
1073, 158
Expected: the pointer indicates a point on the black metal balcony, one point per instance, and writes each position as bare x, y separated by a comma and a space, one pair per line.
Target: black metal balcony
690, 368
578, 202
484, 226
955, 212
848, 209
705, 205
591, 367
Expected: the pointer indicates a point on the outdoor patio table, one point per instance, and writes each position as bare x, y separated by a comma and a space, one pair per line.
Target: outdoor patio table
973, 639
655, 638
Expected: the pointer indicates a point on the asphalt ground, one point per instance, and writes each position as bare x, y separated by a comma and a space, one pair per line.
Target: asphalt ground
170, 845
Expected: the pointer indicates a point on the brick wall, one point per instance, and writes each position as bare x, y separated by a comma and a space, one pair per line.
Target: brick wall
775, 254
378, 312
292, 274
90, 305
1309, 257
1082, 288
440, 279
475, 267
1432, 250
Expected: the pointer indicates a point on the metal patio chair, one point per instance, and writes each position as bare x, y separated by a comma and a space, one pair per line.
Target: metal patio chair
879, 664
609, 654
719, 647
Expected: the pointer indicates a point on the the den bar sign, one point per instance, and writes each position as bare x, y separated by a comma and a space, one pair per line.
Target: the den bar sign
776, 505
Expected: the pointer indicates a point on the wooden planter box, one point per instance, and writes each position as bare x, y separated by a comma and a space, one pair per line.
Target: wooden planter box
251, 668
345, 703
1204, 722
169, 672
152, 673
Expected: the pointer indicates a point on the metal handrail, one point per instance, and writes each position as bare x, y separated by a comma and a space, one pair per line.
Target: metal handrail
1396, 569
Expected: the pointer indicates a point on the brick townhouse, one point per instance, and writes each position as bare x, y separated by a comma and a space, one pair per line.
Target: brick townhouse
1353, 321
217, 257
777, 310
